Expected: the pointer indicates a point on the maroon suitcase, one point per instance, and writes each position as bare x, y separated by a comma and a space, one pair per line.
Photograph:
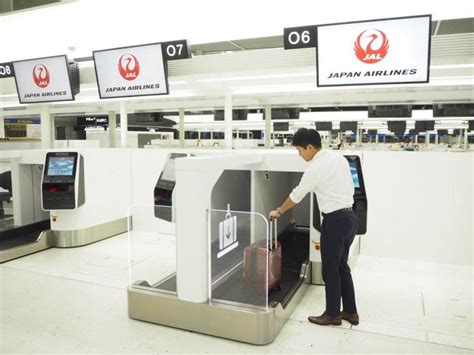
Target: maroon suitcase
255, 257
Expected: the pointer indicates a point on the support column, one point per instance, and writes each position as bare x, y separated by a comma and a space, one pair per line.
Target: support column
465, 139
228, 121
427, 139
182, 142
2, 124
268, 127
436, 138
123, 124
112, 129
46, 128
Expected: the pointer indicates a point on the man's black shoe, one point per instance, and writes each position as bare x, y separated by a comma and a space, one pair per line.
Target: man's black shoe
351, 318
325, 319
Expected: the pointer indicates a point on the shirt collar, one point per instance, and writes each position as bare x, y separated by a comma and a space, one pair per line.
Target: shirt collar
322, 151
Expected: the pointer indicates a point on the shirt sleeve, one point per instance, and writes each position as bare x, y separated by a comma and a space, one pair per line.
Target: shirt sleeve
307, 184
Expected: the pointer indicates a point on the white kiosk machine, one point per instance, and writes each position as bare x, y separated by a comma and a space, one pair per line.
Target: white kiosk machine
63, 181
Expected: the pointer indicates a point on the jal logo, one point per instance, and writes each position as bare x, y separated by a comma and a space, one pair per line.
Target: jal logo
41, 75
371, 46
129, 67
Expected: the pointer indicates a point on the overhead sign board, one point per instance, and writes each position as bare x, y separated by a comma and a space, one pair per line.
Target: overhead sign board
176, 50
6, 70
138, 70
299, 37
388, 51
43, 80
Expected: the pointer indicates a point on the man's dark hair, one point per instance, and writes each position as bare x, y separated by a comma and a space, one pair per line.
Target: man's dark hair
305, 136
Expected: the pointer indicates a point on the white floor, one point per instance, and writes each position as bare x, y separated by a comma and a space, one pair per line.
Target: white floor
74, 300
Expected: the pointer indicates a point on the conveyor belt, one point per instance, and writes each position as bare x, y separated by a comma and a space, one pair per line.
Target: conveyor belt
294, 253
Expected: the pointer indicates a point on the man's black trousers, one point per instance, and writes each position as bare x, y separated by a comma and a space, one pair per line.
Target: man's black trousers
337, 234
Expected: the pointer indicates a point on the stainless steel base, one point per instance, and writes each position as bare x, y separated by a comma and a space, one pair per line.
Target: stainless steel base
44, 241
231, 321
79, 237
316, 267
66, 239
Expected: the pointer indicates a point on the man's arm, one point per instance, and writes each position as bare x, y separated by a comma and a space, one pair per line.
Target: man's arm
282, 209
306, 184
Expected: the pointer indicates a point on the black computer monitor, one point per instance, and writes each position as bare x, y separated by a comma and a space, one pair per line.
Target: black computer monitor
423, 126
348, 126
397, 127
281, 126
324, 126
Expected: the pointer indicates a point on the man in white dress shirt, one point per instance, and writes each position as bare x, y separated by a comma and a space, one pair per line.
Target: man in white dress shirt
328, 176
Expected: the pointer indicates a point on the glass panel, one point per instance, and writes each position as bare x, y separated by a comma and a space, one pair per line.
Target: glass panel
239, 265
152, 247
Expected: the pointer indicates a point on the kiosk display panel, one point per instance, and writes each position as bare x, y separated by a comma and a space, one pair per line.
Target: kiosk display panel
354, 173
61, 166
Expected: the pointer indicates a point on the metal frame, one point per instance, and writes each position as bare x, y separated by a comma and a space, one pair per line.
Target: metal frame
221, 318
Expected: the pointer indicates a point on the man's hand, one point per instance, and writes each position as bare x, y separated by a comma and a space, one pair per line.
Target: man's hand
274, 214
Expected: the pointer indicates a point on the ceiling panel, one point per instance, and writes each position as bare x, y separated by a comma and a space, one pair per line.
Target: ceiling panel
449, 27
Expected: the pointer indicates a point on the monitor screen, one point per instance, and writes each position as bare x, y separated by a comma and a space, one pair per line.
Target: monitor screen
423, 126
169, 172
43, 80
280, 126
61, 166
348, 126
131, 71
355, 175
324, 126
398, 127
374, 52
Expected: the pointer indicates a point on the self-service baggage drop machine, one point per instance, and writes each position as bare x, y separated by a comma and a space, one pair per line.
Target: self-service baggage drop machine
207, 293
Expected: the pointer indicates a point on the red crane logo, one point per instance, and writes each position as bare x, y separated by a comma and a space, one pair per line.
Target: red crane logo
128, 66
371, 46
41, 75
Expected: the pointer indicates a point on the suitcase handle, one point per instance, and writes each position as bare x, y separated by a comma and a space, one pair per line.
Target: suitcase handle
273, 232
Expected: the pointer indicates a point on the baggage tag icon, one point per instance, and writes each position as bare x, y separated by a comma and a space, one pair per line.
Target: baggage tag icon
227, 234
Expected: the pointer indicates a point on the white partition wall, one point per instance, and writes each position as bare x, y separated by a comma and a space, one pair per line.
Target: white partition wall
420, 206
